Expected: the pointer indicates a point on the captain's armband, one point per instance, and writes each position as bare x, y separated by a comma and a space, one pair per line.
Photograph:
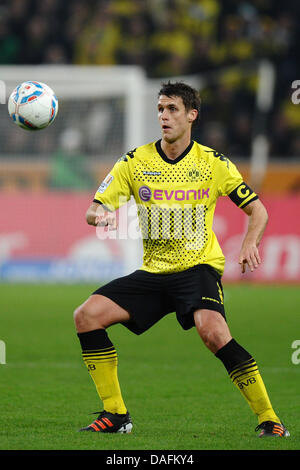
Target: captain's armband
242, 195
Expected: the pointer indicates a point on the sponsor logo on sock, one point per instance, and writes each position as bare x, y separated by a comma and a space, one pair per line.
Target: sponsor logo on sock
249, 381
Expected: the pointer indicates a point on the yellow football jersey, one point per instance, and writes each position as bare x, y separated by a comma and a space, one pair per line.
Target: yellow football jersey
176, 200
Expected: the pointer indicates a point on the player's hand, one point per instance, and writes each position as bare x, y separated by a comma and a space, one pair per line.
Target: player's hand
249, 255
106, 219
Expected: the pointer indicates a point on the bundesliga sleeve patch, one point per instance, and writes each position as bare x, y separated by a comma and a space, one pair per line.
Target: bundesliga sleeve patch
105, 183
242, 195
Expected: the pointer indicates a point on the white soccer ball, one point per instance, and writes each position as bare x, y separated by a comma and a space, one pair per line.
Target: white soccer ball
33, 105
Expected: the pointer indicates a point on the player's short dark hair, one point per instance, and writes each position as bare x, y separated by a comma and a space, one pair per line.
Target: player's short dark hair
190, 97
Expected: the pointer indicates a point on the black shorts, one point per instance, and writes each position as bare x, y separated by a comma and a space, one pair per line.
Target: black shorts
148, 297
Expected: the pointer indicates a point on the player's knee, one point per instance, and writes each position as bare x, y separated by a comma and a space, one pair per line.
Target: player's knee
79, 316
94, 314
85, 316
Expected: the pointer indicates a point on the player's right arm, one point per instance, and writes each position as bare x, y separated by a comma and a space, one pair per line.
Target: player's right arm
97, 216
92, 214
113, 192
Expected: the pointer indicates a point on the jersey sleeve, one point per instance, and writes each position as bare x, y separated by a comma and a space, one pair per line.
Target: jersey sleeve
115, 190
231, 183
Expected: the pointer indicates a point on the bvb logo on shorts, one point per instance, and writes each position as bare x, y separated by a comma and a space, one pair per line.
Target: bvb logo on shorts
193, 174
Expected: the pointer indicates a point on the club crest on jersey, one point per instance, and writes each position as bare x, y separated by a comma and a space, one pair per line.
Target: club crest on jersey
105, 183
193, 174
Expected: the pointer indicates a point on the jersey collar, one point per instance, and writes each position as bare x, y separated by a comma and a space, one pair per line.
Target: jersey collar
168, 160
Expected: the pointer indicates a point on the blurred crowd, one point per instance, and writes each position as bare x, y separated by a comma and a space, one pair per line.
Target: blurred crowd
174, 38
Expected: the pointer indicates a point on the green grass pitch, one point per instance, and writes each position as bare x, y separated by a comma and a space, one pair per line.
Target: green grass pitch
178, 393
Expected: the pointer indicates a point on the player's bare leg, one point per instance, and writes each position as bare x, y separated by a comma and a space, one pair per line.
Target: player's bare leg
241, 368
91, 320
98, 312
212, 329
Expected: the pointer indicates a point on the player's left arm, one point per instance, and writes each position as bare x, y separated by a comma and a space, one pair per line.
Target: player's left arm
231, 184
258, 219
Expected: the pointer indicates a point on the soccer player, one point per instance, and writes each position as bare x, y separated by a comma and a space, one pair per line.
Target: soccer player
176, 183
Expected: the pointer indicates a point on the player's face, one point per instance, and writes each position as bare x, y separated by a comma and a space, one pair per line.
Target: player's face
174, 119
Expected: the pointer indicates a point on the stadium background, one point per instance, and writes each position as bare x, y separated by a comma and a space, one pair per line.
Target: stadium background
218, 47
48, 178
